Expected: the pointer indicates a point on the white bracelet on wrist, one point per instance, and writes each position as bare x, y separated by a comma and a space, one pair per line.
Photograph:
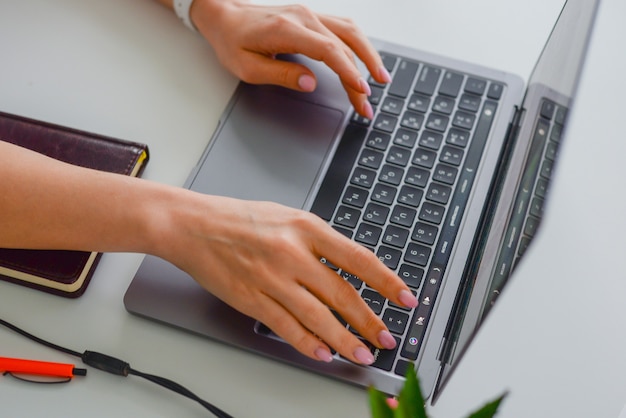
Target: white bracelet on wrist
182, 9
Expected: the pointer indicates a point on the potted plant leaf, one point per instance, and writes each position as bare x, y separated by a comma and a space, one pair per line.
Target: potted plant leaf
410, 403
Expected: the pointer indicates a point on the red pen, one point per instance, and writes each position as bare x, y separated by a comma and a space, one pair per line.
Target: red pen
40, 368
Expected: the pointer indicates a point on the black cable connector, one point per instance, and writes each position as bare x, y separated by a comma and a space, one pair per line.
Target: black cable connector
120, 368
106, 363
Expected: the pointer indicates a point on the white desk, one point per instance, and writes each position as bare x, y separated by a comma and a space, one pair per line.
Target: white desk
129, 69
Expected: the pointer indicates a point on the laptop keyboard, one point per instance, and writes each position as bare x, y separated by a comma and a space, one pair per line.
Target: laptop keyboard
399, 184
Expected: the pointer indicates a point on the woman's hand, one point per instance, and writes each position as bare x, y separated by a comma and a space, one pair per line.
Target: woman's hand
248, 37
263, 259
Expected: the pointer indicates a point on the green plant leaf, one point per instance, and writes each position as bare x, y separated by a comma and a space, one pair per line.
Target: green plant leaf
411, 401
378, 404
489, 409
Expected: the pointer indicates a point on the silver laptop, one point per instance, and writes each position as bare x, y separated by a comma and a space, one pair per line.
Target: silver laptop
446, 184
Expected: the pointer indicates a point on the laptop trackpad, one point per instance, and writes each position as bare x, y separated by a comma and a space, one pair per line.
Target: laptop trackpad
271, 146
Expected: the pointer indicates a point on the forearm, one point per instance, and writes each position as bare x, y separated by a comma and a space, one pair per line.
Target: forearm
48, 204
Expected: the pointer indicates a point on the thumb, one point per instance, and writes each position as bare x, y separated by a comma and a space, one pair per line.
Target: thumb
269, 70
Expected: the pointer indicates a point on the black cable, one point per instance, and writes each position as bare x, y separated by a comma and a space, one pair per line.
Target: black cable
120, 368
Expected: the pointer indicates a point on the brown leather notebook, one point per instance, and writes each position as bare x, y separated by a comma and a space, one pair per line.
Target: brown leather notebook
64, 273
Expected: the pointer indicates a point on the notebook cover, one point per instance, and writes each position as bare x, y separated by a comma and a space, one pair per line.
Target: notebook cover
64, 273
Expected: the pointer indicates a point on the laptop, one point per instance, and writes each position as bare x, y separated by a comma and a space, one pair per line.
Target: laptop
446, 184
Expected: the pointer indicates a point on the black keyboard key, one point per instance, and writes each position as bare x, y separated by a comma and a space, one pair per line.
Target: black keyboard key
451, 155
399, 155
363, 177
425, 233
443, 105
411, 275
427, 80
385, 122
355, 196
410, 196
417, 254
401, 215
438, 193
417, 176
377, 95
458, 137
392, 105
383, 359
469, 102
397, 237
391, 174
424, 158
419, 103
395, 321
437, 122
495, 91
547, 109
389, 256
389, 61
338, 172
347, 216
431, 140
463, 120
405, 137
370, 158
377, 214
412, 120
374, 300
431, 213
378, 140
358, 119
451, 84
403, 78
445, 173
352, 279
402, 367
368, 234
475, 86
383, 194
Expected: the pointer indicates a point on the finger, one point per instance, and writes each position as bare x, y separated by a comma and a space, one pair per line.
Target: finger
363, 263
354, 38
321, 46
319, 319
360, 103
261, 69
283, 323
337, 293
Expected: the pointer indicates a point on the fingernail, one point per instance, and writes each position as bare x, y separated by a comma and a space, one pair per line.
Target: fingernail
306, 82
384, 74
368, 112
365, 87
386, 340
323, 354
407, 299
363, 356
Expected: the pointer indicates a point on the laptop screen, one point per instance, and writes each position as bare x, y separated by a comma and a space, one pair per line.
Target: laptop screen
520, 194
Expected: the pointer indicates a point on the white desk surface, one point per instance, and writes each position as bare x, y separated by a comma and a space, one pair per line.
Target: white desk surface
128, 69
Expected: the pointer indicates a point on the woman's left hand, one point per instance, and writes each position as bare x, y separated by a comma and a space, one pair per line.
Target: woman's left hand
247, 38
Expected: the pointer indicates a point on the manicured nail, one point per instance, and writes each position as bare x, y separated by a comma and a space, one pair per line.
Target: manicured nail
323, 354
368, 112
363, 356
306, 83
386, 340
365, 88
407, 299
384, 74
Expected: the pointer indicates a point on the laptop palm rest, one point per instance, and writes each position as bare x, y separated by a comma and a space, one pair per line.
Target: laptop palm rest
270, 147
